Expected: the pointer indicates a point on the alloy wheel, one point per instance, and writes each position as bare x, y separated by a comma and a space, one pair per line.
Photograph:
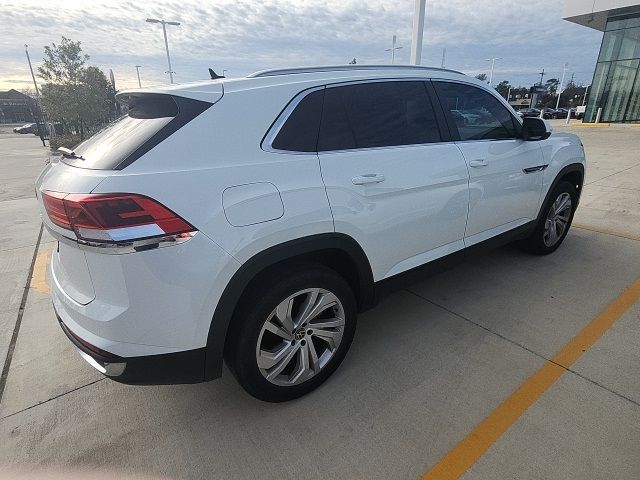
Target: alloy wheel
557, 219
300, 336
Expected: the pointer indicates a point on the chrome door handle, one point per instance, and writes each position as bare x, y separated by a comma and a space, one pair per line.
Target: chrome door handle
478, 163
367, 179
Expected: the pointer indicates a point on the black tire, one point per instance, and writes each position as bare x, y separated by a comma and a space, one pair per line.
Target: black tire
256, 306
535, 243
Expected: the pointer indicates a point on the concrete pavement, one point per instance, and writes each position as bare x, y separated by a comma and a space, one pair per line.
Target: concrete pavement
426, 367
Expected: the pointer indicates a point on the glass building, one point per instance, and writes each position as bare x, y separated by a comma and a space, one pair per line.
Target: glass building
616, 82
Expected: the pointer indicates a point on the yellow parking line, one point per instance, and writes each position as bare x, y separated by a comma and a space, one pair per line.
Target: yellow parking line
605, 231
459, 459
590, 125
39, 278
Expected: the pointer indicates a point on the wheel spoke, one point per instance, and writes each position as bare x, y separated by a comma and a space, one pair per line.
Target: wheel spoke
283, 362
268, 359
283, 312
316, 304
563, 203
270, 326
326, 323
304, 371
329, 336
313, 357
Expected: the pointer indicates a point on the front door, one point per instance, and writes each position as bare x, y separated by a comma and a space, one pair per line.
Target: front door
505, 172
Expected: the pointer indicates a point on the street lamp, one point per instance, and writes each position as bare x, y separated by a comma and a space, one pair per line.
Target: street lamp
166, 43
493, 64
138, 72
393, 50
35, 84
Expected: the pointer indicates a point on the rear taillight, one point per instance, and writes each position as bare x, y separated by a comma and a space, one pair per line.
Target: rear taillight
113, 218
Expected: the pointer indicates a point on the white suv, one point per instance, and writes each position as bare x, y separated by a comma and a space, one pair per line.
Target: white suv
251, 219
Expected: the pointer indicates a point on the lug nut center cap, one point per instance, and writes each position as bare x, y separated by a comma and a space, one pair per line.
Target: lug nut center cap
300, 334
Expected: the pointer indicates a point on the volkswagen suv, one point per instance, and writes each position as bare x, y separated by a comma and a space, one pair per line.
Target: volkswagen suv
248, 221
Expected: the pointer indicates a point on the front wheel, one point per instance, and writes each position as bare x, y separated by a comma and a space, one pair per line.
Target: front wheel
292, 333
554, 222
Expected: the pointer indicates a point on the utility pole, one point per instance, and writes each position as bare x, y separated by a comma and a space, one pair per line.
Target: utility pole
493, 64
564, 71
444, 55
393, 50
541, 76
35, 84
138, 72
166, 43
418, 31
508, 93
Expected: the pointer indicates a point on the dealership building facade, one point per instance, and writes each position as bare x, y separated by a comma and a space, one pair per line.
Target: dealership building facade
616, 82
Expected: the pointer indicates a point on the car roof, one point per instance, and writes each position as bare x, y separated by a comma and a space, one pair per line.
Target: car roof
305, 77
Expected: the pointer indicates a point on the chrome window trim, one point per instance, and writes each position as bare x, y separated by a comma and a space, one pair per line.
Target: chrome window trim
275, 128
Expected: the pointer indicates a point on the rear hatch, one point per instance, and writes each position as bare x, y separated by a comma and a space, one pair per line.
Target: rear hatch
151, 117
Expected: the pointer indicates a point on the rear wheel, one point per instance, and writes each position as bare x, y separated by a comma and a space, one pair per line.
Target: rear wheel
554, 223
290, 335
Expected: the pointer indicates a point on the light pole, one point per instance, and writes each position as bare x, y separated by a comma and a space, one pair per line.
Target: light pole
393, 50
493, 64
564, 71
418, 30
166, 43
138, 72
35, 84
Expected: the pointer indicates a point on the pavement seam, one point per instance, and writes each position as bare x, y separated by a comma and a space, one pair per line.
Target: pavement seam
611, 175
16, 327
50, 399
524, 347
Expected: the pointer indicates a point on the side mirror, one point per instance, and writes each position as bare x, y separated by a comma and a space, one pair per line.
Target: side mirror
535, 128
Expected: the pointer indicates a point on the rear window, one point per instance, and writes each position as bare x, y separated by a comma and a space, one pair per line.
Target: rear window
150, 119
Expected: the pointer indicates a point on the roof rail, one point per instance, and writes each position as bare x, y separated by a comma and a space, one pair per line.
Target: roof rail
345, 68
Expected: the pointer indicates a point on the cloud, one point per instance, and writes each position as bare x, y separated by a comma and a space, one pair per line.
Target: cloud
243, 36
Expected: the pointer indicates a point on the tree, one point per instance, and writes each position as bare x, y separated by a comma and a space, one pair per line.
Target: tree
74, 94
503, 88
353, 62
482, 77
552, 86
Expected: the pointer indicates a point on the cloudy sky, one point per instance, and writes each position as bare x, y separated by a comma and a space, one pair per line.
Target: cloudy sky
242, 36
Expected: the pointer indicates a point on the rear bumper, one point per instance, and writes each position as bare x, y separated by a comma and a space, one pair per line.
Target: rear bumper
164, 369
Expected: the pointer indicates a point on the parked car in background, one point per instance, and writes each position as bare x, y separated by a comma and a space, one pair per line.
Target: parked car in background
562, 113
27, 128
312, 192
548, 113
529, 112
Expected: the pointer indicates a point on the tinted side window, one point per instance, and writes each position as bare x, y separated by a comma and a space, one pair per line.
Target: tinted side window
377, 114
300, 131
477, 114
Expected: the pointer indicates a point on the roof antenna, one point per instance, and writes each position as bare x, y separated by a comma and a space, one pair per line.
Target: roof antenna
214, 75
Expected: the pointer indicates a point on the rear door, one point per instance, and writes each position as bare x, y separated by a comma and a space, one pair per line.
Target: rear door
393, 184
505, 172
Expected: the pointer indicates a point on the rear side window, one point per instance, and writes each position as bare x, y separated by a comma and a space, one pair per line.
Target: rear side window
300, 131
150, 119
476, 114
377, 114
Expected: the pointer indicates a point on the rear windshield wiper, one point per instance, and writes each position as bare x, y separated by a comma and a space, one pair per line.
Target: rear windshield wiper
68, 153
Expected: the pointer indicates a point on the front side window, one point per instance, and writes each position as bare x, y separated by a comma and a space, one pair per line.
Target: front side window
476, 114
377, 114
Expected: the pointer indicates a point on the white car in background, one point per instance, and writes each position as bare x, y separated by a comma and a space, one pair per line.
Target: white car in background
250, 220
